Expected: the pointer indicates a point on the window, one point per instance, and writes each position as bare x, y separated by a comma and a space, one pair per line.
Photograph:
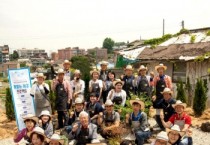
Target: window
179, 72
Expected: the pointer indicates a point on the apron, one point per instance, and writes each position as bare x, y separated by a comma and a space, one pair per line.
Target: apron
91, 110
83, 137
103, 75
143, 86
160, 86
109, 120
96, 89
117, 100
61, 97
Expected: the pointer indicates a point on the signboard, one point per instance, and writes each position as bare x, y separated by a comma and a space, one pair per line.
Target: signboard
20, 86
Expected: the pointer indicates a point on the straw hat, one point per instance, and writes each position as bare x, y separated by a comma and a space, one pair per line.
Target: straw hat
77, 71
175, 128
108, 102
45, 112
137, 100
60, 71
79, 101
167, 90
142, 67
94, 70
179, 103
103, 63
57, 138
41, 75
162, 135
160, 66
129, 67
38, 130
66, 62
117, 81
30, 117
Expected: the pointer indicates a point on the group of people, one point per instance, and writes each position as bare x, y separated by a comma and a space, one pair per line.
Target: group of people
83, 117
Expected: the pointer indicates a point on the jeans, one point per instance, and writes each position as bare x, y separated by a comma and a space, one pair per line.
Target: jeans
141, 136
68, 128
63, 115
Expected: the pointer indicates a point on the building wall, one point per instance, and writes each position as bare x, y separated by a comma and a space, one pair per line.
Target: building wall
27, 53
4, 67
197, 70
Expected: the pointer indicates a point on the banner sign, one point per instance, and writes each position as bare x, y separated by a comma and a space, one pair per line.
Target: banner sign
20, 86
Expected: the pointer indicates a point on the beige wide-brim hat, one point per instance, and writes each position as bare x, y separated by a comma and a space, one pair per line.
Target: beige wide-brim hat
108, 102
175, 128
60, 71
30, 117
137, 100
179, 103
41, 75
94, 71
77, 71
142, 67
117, 81
79, 101
38, 130
57, 138
129, 67
66, 62
160, 66
162, 135
167, 90
103, 63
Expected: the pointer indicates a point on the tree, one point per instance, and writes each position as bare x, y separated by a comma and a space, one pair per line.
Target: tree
14, 55
9, 105
188, 87
108, 44
199, 102
181, 95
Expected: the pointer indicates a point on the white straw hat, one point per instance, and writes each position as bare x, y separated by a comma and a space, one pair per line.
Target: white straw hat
38, 130
175, 128
30, 117
137, 100
179, 103
160, 66
167, 90
108, 102
57, 138
103, 63
162, 135
45, 112
79, 101
66, 62
129, 67
77, 71
142, 67
60, 71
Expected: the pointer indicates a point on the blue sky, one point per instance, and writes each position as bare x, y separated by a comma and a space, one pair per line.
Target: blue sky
55, 24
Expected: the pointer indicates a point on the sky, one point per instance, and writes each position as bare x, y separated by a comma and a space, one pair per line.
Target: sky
56, 24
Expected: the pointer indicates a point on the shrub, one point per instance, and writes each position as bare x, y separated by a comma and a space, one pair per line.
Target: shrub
208, 33
9, 105
192, 39
52, 97
181, 95
188, 87
199, 102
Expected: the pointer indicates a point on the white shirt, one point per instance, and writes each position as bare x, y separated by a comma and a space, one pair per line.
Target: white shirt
41, 87
79, 86
122, 93
97, 81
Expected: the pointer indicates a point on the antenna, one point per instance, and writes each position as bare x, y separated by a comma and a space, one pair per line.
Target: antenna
163, 27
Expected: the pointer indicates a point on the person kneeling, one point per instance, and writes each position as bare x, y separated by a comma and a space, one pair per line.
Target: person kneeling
138, 121
83, 132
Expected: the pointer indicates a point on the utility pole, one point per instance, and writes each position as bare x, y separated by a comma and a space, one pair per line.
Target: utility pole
163, 27
182, 24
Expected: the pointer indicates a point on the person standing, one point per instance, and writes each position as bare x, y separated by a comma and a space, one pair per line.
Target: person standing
128, 80
40, 91
78, 86
63, 92
161, 81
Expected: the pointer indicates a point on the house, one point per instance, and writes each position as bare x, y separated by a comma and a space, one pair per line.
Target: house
179, 54
69, 52
8, 65
4, 54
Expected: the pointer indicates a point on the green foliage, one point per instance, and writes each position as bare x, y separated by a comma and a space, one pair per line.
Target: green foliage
51, 96
192, 39
5, 80
83, 63
199, 102
9, 105
108, 43
14, 56
23, 64
184, 31
114, 141
202, 57
63, 137
157, 41
188, 87
181, 95
208, 33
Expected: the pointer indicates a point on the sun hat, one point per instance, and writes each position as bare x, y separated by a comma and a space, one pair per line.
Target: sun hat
142, 67
137, 100
108, 102
167, 90
41, 75
66, 62
38, 130
103, 63
79, 101
117, 81
77, 71
129, 67
57, 138
45, 112
175, 127
30, 117
60, 71
93, 71
160, 66
179, 103
162, 135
